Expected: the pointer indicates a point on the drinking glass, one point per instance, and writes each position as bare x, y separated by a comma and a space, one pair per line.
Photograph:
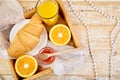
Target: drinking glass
48, 11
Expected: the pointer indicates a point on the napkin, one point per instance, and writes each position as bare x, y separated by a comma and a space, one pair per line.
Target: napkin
69, 60
11, 13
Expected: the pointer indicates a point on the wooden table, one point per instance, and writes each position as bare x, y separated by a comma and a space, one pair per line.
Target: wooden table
98, 25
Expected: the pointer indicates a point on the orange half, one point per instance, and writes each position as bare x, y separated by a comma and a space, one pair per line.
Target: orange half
26, 66
60, 34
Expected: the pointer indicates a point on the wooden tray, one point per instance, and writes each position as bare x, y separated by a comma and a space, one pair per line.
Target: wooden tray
66, 21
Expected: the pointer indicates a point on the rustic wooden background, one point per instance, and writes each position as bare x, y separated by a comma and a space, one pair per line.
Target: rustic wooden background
97, 24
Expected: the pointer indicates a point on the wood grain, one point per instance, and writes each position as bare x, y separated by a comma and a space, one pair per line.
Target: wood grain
99, 28
98, 25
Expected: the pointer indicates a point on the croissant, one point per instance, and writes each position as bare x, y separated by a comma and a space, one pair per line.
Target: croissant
36, 19
26, 38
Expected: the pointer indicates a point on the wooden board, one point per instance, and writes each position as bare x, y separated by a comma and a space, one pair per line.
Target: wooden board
98, 25
99, 28
63, 19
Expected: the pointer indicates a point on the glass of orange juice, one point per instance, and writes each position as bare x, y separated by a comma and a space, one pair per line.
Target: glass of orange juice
48, 11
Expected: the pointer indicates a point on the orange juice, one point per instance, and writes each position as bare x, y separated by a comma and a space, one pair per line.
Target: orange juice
48, 11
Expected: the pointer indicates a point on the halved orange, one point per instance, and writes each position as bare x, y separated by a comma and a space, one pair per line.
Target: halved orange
60, 34
26, 66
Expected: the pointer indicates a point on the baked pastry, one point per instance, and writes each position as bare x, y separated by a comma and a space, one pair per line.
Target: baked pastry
35, 19
26, 38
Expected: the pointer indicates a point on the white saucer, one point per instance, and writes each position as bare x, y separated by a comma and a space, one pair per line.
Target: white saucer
43, 38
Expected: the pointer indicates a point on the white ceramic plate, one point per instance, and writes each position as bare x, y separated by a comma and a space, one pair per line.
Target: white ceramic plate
43, 38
